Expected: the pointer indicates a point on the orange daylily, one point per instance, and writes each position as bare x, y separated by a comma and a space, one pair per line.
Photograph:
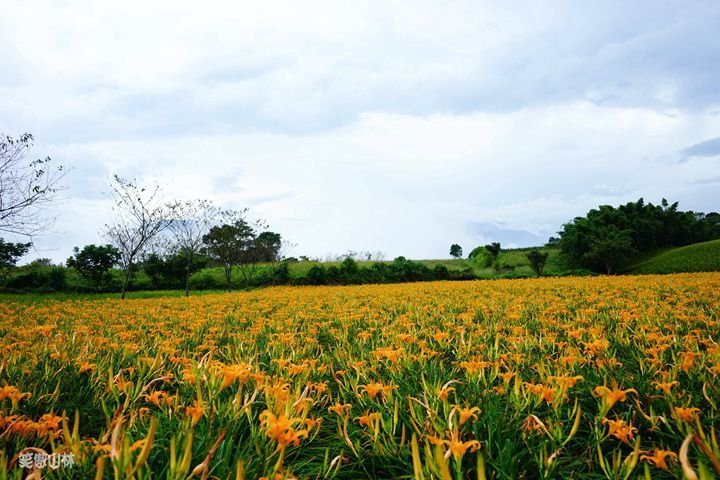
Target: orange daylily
611, 397
658, 458
686, 414
620, 430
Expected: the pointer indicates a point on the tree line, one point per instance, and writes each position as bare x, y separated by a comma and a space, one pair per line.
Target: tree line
170, 241
608, 238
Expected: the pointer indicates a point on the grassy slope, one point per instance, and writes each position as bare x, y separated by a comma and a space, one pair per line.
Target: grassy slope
699, 257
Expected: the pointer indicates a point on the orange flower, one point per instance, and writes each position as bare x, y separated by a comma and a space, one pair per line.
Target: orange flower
196, 411
156, 397
340, 410
13, 394
369, 419
234, 372
658, 458
666, 386
50, 421
611, 397
458, 448
455, 446
280, 428
466, 413
372, 389
620, 430
87, 367
686, 414
566, 383
543, 392
444, 392
688, 360
533, 424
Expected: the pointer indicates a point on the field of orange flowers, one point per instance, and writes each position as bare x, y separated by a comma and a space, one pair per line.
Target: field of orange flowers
614, 377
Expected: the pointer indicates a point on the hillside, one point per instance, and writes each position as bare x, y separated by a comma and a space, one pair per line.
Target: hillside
698, 257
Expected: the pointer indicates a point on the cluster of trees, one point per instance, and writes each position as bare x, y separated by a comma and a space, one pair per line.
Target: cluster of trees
607, 238
349, 272
174, 240
489, 256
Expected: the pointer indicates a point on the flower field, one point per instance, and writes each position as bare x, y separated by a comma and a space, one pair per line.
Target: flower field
612, 377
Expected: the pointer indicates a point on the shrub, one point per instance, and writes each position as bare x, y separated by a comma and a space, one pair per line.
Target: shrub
317, 275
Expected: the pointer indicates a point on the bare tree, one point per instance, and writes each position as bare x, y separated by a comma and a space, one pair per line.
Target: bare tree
140, 216
25, 187
189, 222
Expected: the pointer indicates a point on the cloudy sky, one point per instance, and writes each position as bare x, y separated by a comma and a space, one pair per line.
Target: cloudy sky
376, 125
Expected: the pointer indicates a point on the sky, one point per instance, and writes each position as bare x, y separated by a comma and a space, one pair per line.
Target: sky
393, 126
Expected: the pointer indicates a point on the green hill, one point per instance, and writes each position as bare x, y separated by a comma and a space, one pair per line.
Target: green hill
698, 257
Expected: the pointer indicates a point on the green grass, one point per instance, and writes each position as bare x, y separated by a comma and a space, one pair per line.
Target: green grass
699, 257
34, 298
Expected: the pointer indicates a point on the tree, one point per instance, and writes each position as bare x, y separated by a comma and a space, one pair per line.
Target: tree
189, 222
537, 261
611, 247
649, 227
140, 216
25, 187
493, 249
168, 270
10, 253
94, 262
456, 250
255, 250
268, 246
228, 243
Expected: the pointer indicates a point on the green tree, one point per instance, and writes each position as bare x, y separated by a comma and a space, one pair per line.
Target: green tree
268, 245
648, 226
456, 250
537, 261
169, 271
94, 262
493, 248
610, 247
10, 253
233, 244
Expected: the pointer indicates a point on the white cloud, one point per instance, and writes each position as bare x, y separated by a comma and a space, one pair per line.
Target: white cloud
390, 126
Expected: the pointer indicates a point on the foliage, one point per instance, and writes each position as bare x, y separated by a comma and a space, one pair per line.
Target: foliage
94, 262
226, 243
475, 252
493, 248
456, 250
610, 247
171, 271
606, 377
537, 261
38, 278
25, 187
607, 237
10, 253
268, 246
316, 275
